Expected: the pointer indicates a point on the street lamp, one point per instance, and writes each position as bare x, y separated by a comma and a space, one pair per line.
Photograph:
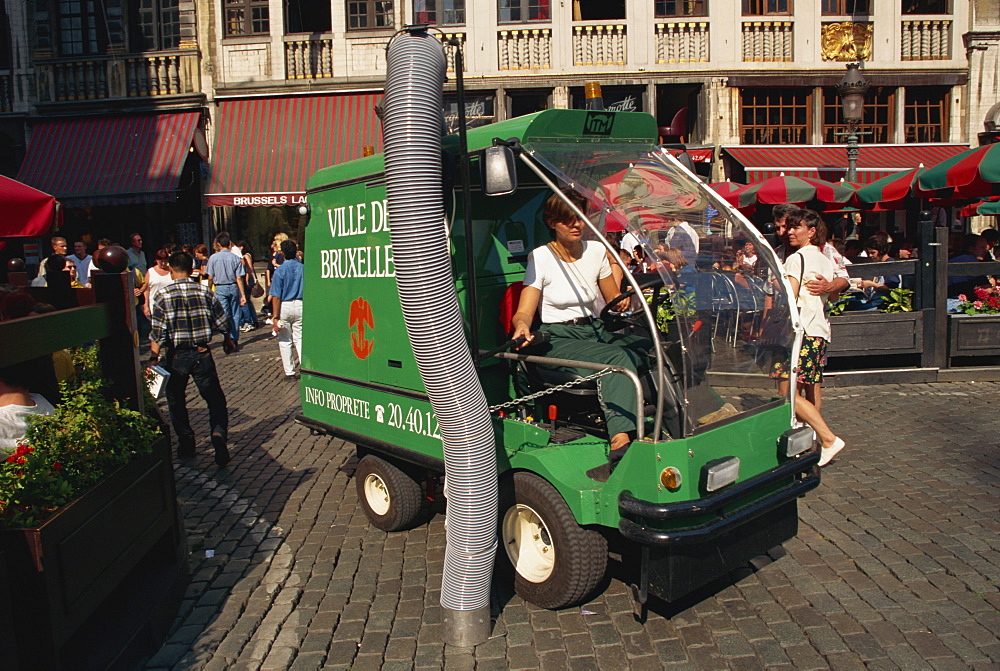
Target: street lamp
852, 90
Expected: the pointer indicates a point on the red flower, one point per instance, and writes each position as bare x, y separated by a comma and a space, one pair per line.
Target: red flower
981, 293
56, 466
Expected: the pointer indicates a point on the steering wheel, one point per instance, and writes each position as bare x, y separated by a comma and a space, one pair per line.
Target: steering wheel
613, 318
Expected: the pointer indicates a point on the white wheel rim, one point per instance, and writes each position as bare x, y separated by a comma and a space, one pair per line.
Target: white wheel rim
528, 543
377, 494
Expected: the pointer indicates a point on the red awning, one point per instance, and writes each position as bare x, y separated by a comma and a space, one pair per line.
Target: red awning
829, 162
266, 148
110, 161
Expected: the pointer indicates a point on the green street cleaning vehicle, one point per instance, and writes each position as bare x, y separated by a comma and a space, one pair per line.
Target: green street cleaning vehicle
714, 479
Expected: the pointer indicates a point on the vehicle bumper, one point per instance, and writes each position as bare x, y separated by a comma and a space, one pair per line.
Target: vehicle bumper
639, 519
674, 562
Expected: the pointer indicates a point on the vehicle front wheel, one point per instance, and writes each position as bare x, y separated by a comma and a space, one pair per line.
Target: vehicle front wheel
555, 561
391, 499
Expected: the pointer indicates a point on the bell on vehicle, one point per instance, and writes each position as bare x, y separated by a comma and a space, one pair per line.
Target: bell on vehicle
499, 173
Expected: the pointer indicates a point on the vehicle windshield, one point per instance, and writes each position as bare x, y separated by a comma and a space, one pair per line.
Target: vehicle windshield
714, 285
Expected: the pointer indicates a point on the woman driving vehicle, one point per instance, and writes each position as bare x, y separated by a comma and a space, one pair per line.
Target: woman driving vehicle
565, 277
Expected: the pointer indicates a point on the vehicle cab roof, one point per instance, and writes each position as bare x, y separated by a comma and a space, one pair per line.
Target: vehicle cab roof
553, 125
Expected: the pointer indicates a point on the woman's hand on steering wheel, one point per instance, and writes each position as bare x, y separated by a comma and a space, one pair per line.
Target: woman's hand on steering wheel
608, 313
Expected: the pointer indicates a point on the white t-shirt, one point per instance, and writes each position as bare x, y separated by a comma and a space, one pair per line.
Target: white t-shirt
568, 289
629, 242
14, 421
157, 283
82, 267
812, 309
683, 237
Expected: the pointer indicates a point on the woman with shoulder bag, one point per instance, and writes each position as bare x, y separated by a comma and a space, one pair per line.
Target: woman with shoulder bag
247, 314
806, 234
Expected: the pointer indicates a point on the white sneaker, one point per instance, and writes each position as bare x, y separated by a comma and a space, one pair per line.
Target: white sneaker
828, 453
268, 321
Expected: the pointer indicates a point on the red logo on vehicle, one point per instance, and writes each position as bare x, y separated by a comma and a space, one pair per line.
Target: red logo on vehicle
361, 316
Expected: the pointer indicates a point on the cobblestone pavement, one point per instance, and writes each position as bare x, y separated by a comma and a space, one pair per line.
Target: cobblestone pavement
896, 563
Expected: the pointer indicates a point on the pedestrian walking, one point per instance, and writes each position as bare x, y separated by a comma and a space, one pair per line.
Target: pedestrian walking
226, 274
806, 235
286, 306
248, 316
185, 316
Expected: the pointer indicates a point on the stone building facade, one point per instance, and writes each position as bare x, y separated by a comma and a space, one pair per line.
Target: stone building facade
762, 73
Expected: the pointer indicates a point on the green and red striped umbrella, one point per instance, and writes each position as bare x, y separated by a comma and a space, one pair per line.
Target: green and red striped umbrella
989, 207
784, 189
891, 192
975, 172
726, 188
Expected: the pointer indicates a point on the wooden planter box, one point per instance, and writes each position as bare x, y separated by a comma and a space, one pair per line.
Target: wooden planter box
877, 333
59, 573
974, 335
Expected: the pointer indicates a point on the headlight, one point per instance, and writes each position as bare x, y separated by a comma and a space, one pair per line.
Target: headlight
721, 472
796, 441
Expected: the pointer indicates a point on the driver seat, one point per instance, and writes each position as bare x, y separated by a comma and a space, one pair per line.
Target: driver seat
531, 377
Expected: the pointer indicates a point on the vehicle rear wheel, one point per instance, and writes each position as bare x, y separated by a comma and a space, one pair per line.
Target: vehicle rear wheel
556, 562
391, 499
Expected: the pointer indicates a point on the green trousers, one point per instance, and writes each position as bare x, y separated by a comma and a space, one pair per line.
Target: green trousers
593, 343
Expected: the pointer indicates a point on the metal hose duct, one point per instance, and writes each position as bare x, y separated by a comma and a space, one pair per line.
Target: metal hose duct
413, 119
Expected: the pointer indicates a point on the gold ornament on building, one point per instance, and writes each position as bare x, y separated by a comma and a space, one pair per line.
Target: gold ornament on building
847, 41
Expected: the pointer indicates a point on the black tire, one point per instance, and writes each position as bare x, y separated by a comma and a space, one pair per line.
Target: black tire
579, 557
392, 500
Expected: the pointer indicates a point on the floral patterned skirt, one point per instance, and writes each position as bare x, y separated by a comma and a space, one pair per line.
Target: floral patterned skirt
812, 359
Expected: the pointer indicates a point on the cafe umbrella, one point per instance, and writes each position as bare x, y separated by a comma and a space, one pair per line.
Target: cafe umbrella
891, 192
989, 207
789, 189
975, 172
27, 212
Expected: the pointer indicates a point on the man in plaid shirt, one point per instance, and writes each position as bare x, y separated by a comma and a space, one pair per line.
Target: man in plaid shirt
184, 317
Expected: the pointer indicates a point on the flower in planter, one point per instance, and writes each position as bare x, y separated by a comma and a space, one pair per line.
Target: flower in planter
986, 302
66, 453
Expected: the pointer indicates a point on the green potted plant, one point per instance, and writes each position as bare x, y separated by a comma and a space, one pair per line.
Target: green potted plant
975, 330
899, 300
86, 498
986, 302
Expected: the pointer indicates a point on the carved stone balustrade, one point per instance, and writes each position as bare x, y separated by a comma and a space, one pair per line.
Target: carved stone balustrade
925, 41
599, 44
682, 42
524, 49
118, 76
449, 51
6, 93
308, 57
767, 41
